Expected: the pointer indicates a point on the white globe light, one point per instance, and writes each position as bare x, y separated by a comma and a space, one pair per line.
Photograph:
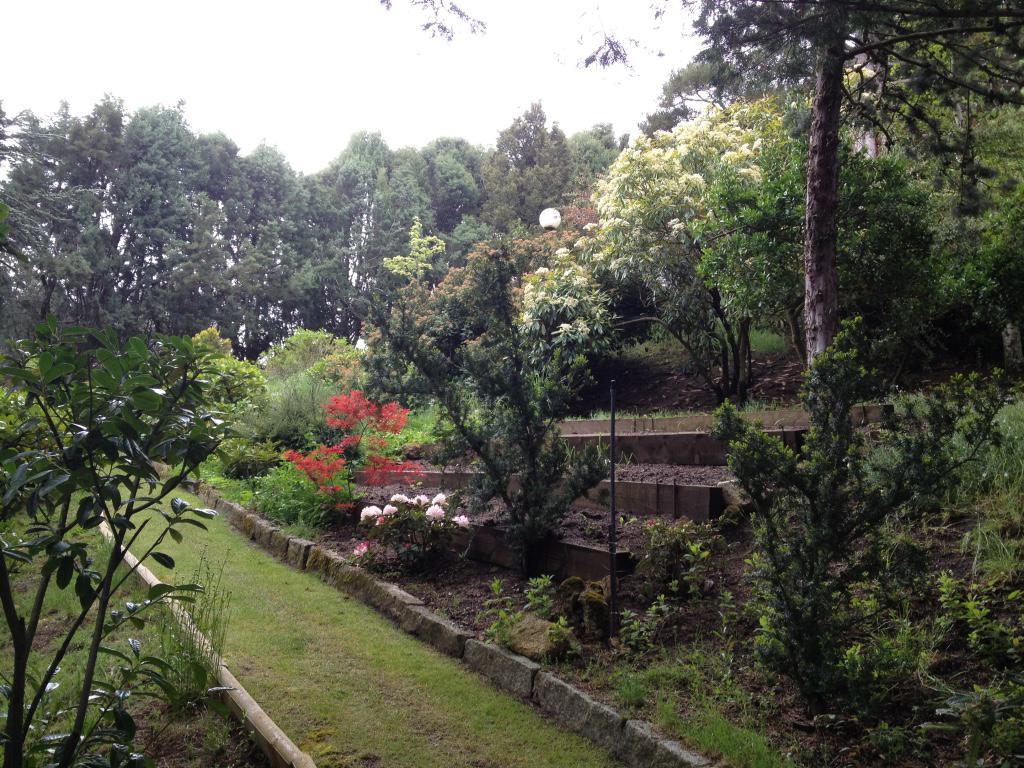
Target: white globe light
550, 218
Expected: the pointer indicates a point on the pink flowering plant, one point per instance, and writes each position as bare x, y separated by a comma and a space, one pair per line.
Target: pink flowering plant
417, 531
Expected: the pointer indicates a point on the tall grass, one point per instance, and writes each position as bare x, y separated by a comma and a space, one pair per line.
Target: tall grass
993, 488
292, 411
767, 342
193, 650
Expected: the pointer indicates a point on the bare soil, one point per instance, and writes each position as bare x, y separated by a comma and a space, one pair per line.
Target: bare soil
196, 739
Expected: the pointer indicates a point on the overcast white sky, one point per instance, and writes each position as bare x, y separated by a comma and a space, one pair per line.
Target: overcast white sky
304, 75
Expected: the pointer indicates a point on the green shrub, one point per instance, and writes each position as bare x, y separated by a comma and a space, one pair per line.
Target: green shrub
992, 719
637, 631
824, 514
674, 557
242, 459
987, 616
286, 495
540, 595
291, 413
304, 350
416, 531
501, 390
232, 382
882, 671
344, 371
501, 610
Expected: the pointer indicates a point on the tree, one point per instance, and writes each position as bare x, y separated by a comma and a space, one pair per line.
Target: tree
592, 152
822, 512
894, 47
501, 388
101, 414
665, 204
453, 180
530, 170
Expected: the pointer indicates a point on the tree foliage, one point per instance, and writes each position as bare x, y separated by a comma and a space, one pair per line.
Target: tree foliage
466, 345
822, 514
100, 414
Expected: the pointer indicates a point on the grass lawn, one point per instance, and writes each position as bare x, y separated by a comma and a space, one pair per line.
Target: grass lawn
351, 688
189, 738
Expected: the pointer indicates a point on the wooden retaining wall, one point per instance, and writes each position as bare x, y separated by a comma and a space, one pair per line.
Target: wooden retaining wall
701, 422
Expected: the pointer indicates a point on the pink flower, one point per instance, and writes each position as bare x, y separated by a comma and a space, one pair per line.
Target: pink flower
370, 512
435, 513
421, 500
462, 521
361, 549
440, 499
401, 498
390, 509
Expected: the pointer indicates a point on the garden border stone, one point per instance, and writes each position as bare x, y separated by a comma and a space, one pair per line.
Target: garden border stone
278, 543
444, 635
632, 741
641, 747
575, 710
298, 552
505, 669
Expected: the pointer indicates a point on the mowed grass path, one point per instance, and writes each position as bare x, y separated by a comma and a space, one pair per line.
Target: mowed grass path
352, 689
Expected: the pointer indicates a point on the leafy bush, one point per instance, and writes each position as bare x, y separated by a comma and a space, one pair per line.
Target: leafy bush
111, 410
823, 512
242, 459
304, 350
673, 559
636, 631
504, 618
290, 413
987, 616
882, 672
540, 595
358, 426
993, 719
286, 495
232, 382
417, 531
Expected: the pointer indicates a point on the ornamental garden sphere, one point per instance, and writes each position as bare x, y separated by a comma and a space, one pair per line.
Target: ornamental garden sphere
550, 218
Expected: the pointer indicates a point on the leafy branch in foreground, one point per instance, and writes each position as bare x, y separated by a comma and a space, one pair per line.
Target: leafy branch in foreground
101, 413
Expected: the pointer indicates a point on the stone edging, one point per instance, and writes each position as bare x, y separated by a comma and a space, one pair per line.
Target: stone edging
632, 741
280, 750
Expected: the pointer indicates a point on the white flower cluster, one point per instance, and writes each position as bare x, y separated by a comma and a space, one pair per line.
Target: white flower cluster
434, 509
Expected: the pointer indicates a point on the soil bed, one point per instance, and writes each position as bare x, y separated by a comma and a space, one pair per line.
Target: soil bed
679, 474
635, 472
586, 523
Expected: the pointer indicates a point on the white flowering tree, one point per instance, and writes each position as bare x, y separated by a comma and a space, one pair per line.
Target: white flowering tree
671, 211
564, 308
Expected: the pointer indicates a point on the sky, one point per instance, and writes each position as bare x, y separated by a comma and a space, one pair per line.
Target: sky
305, 75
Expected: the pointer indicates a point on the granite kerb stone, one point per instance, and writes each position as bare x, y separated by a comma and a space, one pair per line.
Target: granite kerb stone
298, 552
573, 709
641, 747
444, 635
507, 670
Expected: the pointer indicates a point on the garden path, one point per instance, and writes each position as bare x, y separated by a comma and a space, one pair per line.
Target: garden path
349, 687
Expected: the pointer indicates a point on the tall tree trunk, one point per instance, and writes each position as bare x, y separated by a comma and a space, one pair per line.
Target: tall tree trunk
821, 296
1013, 351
